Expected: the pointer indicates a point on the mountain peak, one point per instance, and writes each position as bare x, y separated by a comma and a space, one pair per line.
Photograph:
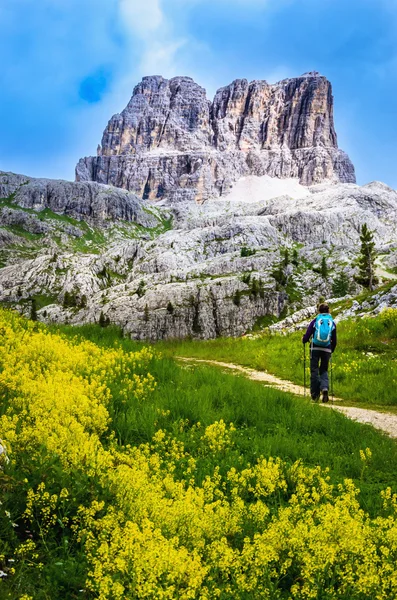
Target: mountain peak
171, 141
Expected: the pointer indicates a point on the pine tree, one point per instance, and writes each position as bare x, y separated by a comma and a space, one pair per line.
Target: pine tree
341, 285
237, 297
366, 259
170, 307
102, 319
33, 310
254, 288
66, 300
141, 289
324, 268
286, 258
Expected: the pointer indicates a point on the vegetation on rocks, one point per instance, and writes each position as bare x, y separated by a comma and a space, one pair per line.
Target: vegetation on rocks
366, 259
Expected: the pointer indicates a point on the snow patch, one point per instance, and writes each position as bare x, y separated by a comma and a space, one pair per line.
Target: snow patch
257, 189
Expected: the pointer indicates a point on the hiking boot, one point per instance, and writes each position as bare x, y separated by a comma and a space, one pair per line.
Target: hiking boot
316, 398
325, 395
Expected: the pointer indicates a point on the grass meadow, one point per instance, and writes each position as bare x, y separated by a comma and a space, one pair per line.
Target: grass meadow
127, 475
364, 363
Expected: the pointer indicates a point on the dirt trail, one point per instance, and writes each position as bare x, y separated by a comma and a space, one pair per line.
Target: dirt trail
386, 422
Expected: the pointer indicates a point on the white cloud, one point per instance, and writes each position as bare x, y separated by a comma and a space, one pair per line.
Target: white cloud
152, 32
141, 16
161, 57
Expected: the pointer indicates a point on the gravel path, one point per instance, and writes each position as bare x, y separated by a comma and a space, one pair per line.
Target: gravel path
386, 422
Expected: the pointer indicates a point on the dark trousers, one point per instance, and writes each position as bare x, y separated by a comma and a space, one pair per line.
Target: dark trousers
319, 361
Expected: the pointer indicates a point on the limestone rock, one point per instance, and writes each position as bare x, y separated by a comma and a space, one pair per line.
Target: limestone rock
82, 200
171, 142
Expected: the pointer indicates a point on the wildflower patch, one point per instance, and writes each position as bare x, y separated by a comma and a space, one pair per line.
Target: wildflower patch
84, 514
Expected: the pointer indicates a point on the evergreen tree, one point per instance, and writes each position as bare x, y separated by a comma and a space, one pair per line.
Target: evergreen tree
341, 285
324, 268
102, 319
170, 308
366, 259
254, 288
141, 289
66, 300
286, 258
33, 310
237, 297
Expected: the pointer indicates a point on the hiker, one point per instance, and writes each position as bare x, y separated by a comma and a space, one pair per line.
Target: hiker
322, 330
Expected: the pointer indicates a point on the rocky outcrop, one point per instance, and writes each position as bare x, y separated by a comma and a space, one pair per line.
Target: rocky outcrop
219, 271
82, 200
171, 142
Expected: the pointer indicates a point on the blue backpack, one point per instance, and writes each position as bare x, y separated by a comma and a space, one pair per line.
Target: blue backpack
323, 330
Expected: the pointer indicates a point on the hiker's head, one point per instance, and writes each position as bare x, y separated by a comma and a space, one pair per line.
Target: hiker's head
323, 308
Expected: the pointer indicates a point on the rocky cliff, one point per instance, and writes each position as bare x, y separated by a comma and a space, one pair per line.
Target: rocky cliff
80, 200
216, 269
171, 142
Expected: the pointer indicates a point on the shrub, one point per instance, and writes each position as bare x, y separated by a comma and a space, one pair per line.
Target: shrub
247, 251
237, 297
33, 310
140, 291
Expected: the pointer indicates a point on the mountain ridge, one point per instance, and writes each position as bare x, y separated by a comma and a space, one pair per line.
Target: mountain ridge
172, 142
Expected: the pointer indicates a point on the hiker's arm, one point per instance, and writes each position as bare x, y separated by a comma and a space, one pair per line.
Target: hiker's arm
333, 338
309, 332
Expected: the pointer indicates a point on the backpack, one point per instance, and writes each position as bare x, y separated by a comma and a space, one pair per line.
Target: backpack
322, 330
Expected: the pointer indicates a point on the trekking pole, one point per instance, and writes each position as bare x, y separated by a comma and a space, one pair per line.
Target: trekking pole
304, 369
332, 382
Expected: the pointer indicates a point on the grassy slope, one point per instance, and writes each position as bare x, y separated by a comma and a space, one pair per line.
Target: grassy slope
269, 422
364, 366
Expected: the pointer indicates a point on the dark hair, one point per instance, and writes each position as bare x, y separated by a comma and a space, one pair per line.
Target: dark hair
323, 308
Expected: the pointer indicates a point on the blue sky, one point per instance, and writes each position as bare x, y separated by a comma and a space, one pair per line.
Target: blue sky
68, 65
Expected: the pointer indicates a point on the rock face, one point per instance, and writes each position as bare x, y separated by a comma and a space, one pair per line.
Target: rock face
80, 200
220, 270
171, 142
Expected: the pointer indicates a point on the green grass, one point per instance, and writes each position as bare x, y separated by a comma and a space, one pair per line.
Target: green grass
269, 422
364, 365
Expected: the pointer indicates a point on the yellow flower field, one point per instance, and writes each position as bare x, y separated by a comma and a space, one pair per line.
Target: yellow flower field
145, 520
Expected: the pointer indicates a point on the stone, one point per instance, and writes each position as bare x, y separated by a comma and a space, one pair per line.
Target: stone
82, 200
198, 266
171, 142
